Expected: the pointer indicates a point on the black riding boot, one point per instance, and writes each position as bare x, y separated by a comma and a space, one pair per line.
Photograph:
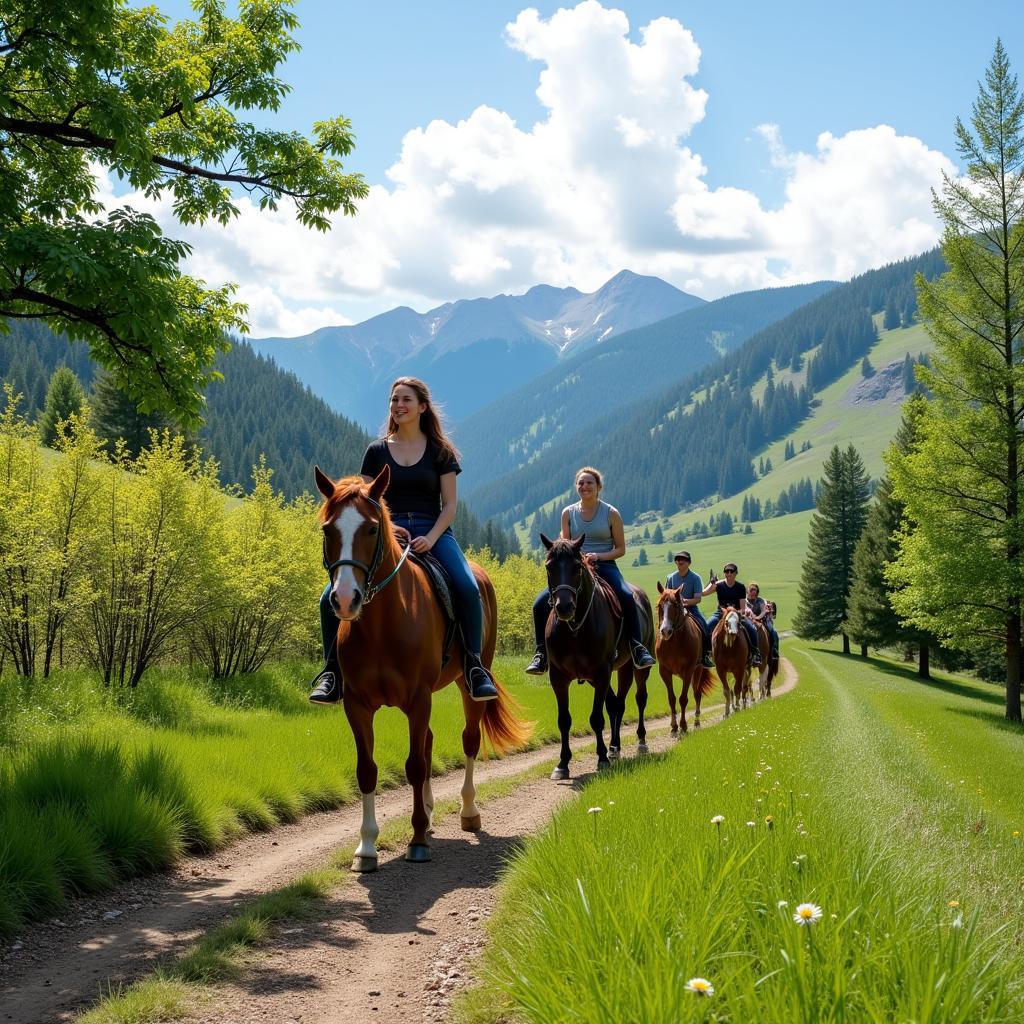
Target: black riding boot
478, 679
705, 643
329, 688
539, 665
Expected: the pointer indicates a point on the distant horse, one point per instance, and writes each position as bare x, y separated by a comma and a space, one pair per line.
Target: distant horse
769, 665
680, 641
584, 641
392, 654
730, 651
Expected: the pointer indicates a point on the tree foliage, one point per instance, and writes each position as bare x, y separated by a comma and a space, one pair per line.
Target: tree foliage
827, 573
110, 85
64, 399
960, 556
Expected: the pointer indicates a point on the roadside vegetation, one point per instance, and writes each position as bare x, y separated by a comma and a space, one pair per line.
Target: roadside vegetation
889, 809
98, 784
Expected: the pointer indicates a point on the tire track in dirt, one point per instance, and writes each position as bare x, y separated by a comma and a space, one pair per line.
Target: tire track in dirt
391, 946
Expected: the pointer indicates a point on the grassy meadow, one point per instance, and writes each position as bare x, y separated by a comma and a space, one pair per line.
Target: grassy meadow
97, 785
891, 808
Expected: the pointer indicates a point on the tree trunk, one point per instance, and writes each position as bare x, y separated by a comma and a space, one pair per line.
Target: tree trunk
923, 669
863, 650
1013, 659
846, 644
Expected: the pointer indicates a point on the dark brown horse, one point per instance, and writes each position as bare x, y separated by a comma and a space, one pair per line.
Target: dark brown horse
680, 641
584, 636
730, 651
390, 654
769, 663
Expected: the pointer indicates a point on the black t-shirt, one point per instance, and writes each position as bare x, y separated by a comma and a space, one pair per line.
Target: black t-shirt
730, 596
415, 488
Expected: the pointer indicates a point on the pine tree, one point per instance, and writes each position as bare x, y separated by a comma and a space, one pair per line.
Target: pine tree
892, 315
789, 451
658, 537
909, 380
871, 618
64, 399
962, 484
641, 559
827, 572
114, 416
866, 369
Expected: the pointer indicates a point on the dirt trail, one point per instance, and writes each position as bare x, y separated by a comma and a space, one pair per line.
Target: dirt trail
392, 946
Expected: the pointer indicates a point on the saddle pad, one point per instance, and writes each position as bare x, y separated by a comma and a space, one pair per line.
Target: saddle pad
438, 580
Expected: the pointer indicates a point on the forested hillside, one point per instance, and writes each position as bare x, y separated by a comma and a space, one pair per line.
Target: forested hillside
700, 437
593, 386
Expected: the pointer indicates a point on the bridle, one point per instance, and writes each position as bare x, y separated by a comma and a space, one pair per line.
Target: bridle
575, 591
372, 589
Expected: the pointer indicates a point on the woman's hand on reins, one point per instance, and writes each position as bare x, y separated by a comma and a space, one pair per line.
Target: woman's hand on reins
402, 535
421, 545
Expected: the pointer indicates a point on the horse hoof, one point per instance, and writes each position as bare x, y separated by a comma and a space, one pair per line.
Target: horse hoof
601, 765
364, 864
614, 753
417, 853
470, 824
642, 748
560, 775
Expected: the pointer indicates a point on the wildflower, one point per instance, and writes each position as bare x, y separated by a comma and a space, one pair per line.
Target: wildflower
807, 913
1016, 834
594, 810
770, 821
700, 987
718, 819
782, 904
953, 903
958, 921
751, 824
611, 803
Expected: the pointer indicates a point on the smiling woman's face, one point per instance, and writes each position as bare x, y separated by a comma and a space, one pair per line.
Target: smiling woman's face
586, 485
405, 405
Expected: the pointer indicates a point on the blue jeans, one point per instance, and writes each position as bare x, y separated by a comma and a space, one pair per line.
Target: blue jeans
745, 622
609, 572
466, 594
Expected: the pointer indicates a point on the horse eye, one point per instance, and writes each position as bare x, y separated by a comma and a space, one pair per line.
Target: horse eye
373, 531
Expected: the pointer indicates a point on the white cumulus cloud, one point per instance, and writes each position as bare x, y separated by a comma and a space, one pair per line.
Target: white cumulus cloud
604, 180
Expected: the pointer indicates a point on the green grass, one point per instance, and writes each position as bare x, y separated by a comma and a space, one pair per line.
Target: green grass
896, 807
96, 786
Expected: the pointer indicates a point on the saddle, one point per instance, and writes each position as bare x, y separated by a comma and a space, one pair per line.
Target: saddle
442, 587
609, 595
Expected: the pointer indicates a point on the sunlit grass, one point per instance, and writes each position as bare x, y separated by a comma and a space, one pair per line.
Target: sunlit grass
97, 785
845, 795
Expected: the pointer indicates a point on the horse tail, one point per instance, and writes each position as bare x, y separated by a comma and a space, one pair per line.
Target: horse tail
705, 681
503, 725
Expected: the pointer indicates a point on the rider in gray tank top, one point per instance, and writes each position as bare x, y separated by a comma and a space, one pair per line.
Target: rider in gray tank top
598, 530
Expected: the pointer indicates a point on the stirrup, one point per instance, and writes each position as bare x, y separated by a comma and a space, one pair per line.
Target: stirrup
478, 680
640, 656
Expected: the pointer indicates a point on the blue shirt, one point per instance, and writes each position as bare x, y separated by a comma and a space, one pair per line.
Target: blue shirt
691, 583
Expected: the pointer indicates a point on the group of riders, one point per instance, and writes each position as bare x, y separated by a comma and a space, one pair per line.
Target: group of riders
422, 497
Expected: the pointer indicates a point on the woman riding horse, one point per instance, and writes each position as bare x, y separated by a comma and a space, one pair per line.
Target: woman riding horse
732, 594
423, 464
604, 542
393, 629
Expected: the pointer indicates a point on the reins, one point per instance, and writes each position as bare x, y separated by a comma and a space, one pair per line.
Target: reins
372, 589
575, 591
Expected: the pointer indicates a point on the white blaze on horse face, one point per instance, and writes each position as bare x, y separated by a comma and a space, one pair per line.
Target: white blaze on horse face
666, 625
345, 582
732, 623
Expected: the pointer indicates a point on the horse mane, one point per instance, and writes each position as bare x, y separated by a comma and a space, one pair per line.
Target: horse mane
345, 490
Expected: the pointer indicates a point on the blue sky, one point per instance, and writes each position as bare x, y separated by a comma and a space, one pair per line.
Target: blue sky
756, 219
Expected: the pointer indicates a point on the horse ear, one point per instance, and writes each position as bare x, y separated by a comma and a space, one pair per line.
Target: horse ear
380, 483
578, 542
324, 484
661, 588
548, 544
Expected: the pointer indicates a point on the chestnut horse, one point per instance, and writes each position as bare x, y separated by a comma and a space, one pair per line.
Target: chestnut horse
584, 641
390, 654
730, 651
680, 641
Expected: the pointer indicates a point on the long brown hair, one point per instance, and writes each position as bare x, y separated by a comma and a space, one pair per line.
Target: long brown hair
430, 419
